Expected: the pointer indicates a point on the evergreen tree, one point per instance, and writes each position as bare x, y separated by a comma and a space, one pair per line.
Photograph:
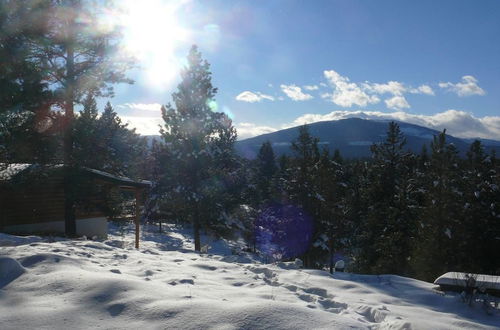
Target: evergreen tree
331, 192
75, 57
306, 157
107, 144
86, 135
439, 225
301, 187
197, 138
27, 131
266, 169
388, 227
480, 226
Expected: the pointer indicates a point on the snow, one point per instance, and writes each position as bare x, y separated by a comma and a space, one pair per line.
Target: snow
8, 171
459, 279
82, 284
117, 177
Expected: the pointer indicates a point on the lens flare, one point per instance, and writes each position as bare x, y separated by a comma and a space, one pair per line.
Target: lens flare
283, 231
228, 112
212, 104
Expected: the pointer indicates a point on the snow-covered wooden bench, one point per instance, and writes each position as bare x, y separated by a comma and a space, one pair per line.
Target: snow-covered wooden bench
455, 281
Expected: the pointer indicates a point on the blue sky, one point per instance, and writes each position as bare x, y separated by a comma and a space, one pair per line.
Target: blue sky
284, 63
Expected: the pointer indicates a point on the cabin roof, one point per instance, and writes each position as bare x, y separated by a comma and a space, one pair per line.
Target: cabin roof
9, 171
122, 180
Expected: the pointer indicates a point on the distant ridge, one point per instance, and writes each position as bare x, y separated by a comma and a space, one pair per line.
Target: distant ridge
353, 137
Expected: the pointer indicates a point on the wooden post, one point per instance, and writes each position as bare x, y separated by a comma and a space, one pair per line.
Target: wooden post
137, 215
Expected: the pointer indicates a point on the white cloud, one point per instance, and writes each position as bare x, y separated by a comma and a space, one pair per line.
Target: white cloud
397, 103
311, 87
144, 125
141, 106
422, 89
295, 93
252, 97
391, 87
457, 123
347, 94
467, 87
246, 130
396, 88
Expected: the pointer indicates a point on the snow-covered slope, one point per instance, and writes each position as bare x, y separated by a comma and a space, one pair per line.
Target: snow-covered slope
83, 284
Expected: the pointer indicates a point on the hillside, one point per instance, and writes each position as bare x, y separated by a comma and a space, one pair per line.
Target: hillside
83, 284
353, 137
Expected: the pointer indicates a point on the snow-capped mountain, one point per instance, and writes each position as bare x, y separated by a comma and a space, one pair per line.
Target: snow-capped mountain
353, 137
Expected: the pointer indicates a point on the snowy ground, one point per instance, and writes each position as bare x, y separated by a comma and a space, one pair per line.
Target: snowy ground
84, 284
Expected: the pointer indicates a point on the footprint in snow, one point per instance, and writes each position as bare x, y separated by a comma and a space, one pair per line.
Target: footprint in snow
206, 267
306, 297
261, 270
332, 305
116, 309
116, 271
317, 291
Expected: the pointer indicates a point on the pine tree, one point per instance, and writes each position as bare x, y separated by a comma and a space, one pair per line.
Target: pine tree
302, 188
75, 57
197, 138
306, 157
86, 135
480, 225
266, 169
26, 125
388, 228
440, 221
332, 212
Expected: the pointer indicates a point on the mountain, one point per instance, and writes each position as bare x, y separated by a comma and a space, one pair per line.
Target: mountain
353, 137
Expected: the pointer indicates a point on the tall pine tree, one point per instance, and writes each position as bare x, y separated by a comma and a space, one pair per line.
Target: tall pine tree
197, 138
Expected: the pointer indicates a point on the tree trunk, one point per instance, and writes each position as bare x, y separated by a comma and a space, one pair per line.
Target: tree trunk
331, 255
138, 198
196, 226
69, 189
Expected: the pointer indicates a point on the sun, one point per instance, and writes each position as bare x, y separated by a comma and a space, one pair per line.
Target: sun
152, 33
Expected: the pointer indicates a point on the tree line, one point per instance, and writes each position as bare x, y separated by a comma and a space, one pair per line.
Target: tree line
398, 212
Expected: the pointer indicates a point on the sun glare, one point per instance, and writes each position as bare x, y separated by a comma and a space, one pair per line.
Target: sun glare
153, 34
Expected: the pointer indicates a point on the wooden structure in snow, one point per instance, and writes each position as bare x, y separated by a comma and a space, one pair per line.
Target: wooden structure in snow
458, 282
32, 199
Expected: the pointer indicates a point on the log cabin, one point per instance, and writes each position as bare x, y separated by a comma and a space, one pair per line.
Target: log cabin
32, 199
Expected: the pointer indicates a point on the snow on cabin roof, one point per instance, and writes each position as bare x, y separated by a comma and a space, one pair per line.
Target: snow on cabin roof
8, 171
119, 179
459, 279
